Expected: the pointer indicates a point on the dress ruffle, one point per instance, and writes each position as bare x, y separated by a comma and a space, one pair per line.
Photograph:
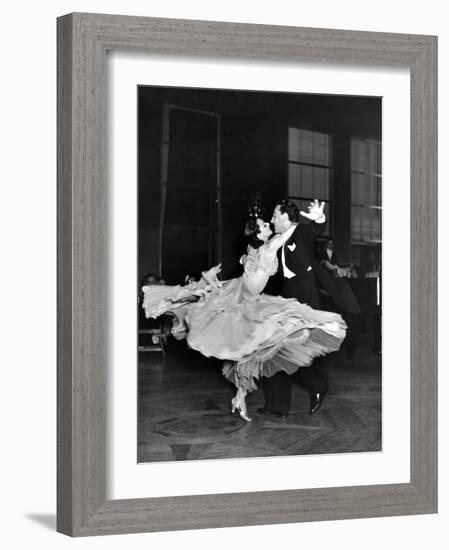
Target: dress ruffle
256, 335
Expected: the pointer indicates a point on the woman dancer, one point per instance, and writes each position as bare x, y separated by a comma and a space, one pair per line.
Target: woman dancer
254, 333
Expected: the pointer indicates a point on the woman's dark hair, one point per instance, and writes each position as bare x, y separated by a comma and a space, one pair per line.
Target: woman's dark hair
289, 208
251, 231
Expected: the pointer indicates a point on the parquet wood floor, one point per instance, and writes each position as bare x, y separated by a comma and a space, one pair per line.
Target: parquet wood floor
184, 411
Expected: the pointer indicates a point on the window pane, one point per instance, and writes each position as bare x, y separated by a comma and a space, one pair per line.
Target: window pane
321, 149
366, 190
366, 218
308, 147
366, 156
357, 188
309, 169
306, 150
308, 181
356, 226
379, 192
355, 254
294, 148
356, 155
377, 224
371, 167
300, 180
360, 189
379, 158
321, 183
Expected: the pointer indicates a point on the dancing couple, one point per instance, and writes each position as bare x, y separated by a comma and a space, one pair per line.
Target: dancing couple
259, 336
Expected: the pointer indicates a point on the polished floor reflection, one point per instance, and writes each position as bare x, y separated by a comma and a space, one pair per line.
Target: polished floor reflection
184, 411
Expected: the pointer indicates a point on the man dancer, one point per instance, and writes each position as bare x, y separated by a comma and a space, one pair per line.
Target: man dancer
298, 281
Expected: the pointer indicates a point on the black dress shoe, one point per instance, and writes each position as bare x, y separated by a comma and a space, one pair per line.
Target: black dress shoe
264, 411
316, 400
280, 415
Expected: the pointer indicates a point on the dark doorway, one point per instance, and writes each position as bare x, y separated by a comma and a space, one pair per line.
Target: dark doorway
190, 193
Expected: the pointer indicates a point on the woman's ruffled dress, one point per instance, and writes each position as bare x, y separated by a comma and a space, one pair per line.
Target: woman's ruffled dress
255, 334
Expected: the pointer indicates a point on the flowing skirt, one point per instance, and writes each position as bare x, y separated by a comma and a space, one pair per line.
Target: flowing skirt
256, 335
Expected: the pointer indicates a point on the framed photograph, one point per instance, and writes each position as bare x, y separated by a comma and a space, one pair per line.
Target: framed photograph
193, 382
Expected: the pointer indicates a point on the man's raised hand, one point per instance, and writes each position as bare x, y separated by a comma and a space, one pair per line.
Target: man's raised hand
316, 211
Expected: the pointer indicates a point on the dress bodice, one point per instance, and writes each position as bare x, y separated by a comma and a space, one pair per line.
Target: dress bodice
264, 264
264, 260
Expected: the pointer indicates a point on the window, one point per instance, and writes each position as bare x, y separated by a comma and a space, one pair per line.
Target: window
366, 191
309, 168
366, 203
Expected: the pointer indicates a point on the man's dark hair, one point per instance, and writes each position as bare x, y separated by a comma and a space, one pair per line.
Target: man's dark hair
251, 231
289, 208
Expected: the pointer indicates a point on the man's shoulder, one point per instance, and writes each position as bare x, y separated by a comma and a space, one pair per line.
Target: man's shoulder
296, 234
304, 228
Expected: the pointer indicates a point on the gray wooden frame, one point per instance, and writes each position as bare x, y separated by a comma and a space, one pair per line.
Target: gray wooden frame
83, 40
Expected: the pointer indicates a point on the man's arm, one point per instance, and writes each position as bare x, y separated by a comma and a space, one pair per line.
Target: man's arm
309, 232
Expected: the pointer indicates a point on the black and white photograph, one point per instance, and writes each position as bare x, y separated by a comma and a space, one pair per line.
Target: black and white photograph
259, 263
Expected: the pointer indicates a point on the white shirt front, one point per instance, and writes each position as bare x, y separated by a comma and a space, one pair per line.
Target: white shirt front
288, 273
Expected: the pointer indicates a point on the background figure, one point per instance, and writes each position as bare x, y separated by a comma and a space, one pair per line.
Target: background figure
336, 293
297, 281
162, 325
148, 279
145, 339
328, 256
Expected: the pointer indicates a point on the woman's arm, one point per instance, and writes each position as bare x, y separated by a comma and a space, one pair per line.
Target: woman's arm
244, 257
281, 238
248, 261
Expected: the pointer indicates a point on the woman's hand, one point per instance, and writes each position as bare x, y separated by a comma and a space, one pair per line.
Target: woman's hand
210, 277
249, 263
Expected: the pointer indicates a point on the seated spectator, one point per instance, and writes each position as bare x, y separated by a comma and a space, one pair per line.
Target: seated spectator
328, 259
163, 323
144, 323
328, 256
336, 293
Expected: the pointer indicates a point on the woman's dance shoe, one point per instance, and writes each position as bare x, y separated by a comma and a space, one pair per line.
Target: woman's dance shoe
240, 407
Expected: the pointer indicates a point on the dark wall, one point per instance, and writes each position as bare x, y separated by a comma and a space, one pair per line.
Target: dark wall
254, 141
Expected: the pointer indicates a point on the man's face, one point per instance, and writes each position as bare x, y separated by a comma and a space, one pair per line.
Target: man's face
280, 220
